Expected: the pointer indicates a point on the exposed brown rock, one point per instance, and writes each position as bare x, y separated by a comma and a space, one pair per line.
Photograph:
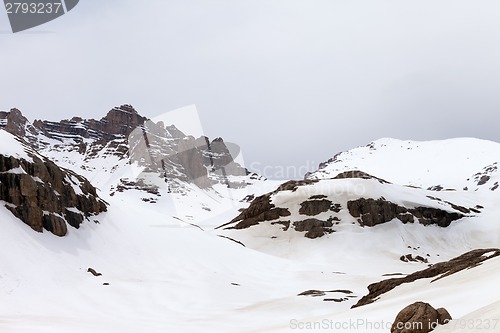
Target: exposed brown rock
314, 207
119, 122
410, 258
93, 272
15, 122
43, 195
483, 180
285, 224
180, 157
440, 270
318, 196
315, 228
443, 316
312, 292
359, 174
192, 161
317, 293
336, 300
418, 317
55, 225
372, 212
261, 209
376, 211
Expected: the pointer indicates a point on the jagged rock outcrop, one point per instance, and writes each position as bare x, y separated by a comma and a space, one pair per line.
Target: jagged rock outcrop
371, 212
45, 196
168, 151
118, 123
315, 205
13, 122
124, 133
419, 317
440, 270
261, 209
314, 228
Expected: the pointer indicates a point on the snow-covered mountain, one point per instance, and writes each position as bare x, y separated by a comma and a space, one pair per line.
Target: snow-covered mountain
184, 239
463, 163
382, 210
125, 151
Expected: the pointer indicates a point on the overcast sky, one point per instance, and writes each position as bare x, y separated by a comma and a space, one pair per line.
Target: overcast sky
291, 82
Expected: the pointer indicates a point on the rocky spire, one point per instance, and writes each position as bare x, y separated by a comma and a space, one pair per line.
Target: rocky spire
13, 122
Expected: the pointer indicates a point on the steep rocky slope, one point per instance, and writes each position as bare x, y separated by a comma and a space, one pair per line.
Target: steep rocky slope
40, 193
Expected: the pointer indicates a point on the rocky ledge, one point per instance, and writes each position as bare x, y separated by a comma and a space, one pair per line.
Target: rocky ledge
437, 271
45, 196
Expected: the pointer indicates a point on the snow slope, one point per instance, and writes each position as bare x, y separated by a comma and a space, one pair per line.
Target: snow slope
454, 163
12, 146
169, 270
162, 277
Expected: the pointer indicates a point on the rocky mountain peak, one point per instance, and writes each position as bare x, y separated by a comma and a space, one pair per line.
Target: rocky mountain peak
121, 120
125, 136
13, 122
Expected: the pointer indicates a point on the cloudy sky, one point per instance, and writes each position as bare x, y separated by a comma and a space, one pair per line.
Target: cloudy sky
291, 82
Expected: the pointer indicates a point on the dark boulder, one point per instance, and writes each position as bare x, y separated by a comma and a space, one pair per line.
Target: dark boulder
418, 317
443, 316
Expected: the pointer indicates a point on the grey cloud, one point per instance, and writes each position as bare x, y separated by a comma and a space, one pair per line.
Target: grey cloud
288, 81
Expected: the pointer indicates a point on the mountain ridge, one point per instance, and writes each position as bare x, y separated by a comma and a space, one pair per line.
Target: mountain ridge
165, 242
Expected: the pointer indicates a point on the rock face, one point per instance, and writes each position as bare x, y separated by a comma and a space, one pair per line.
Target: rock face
123, 132
14, 122
315, 228
45, 196
443, 316
371, 212
440, 270
419, 317
314, 206
118, 123
261, 209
